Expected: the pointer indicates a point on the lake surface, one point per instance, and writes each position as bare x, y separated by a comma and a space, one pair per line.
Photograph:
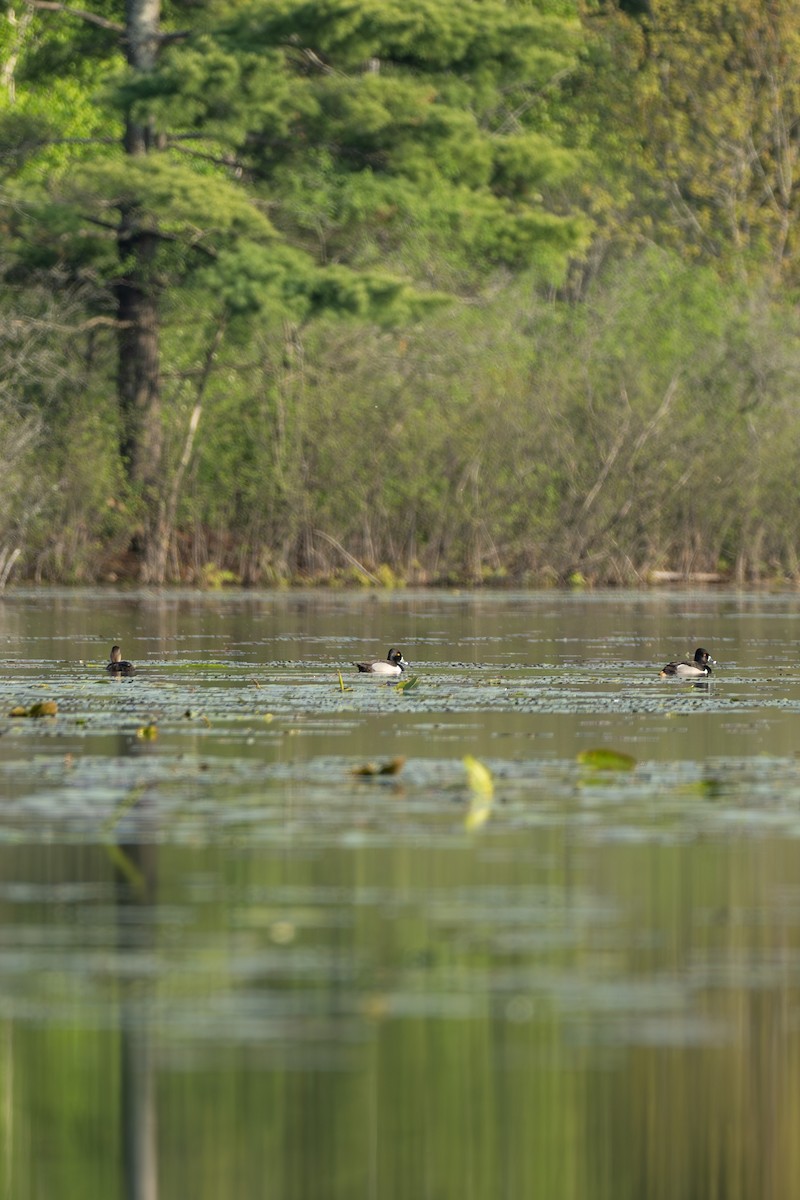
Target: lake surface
235, 962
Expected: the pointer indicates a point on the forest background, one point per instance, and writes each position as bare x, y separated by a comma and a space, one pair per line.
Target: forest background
455, 291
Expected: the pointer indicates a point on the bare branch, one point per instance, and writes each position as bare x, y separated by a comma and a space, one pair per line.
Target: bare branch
169, 508
192, 240
7, 559
80, 13
92, 323
314, 59
345, 554
224, 160
91, 18
20, 26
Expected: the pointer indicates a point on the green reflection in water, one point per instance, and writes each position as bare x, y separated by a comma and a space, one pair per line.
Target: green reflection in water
509, 1018
310, 985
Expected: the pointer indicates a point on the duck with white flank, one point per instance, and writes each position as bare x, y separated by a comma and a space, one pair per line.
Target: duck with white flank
695, 668
393, 664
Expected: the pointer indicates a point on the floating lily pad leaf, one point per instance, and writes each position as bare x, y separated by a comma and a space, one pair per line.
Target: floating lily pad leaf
128, 868
282, 933
125, 805
406, 685
480, 810
479, 777
710, 788
392, 767
481, 784
606, 760
147, 733
42, 708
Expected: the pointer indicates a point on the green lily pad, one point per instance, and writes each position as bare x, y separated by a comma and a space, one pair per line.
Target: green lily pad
603, 759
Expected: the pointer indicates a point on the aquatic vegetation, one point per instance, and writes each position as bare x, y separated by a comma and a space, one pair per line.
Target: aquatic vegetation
542, 864
393, 767
604, 759
41, 708
481, 786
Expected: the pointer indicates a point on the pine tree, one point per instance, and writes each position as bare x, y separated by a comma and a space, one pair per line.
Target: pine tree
282, 158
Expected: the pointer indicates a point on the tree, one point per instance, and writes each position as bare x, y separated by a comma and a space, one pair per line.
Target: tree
718, 102
278, 159
137, 234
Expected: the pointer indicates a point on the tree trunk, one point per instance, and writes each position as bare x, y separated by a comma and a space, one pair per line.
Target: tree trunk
138, 378
138, 375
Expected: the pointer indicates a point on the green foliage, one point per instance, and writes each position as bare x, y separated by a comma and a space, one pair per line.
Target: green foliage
321, 181
366, 126
174, 199
720, 105
433, 34
55, 119
691, 113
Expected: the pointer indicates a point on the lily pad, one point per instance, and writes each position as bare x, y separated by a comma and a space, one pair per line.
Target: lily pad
603, 759
42, 708
393, 767
481, 784
479, 777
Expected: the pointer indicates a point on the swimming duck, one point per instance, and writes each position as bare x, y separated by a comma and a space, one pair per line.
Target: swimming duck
118, 665
393, 664
690, 669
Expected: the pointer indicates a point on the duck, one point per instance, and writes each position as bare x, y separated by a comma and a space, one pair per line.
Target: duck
393, 664
118, 665
690, 669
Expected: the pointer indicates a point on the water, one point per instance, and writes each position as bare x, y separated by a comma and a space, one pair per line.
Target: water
230, 965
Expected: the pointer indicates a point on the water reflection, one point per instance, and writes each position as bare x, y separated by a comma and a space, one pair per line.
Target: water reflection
583, 1020
135, 880
231, 967
472, 627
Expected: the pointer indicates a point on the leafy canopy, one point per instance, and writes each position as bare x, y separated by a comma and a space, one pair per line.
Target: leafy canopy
301, 141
